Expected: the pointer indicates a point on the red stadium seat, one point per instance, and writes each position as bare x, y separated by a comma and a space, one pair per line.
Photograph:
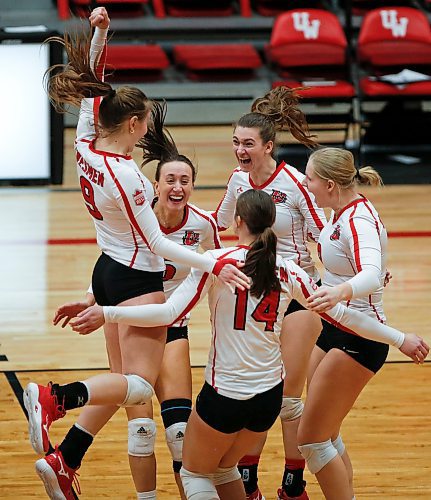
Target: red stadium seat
193, 8
123, 8
135, 62
217, 62
277, 7
308, 48
393, 39
394, 61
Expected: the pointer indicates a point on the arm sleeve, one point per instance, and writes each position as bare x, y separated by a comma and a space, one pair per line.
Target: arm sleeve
89, 111
144, 222
185, 297
226, 208
349, 320
364, 242
211, 239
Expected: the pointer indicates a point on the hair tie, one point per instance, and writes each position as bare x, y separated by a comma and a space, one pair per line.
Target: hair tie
111, 94
358, 174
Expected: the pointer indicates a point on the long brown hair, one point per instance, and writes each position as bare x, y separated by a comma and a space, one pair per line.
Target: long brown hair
257, 209
278, 110
158, 143
70, 83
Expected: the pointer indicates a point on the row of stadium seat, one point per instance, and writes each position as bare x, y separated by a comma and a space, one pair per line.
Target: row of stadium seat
309, 49
245, 8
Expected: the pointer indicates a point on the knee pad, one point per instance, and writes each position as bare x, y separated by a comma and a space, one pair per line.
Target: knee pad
291, 409
339, 445
174, 439
225, 475
139, 391
142, 437
317, 455
198, 486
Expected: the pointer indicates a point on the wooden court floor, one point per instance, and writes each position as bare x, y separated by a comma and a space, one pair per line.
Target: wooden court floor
47, 253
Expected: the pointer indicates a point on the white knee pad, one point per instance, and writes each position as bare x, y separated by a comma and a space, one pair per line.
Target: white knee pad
291, 409
339, 445
317, 455
142, 437
174, 439
198, 486
225, 475
139, 391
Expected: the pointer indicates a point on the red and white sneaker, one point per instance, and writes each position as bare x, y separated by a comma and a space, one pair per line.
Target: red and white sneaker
43, 409
282, 495
57, 477
256, 495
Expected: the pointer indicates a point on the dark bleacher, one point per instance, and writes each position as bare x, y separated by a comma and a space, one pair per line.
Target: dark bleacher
188, 62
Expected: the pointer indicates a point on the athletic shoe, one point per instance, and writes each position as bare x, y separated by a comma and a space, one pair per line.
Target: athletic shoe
282, 495
256, 495
57, 477
43, 409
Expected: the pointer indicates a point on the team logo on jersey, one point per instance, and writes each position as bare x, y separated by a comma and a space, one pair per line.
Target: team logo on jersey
139, 197
239, 189
190, 238
336, 234
278, 196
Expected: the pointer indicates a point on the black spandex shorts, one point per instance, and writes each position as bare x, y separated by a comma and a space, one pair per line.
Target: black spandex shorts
229, 415
295, 305
366, 352
114, 282
177, 332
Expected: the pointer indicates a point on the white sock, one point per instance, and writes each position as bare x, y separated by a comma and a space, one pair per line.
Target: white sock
146, 495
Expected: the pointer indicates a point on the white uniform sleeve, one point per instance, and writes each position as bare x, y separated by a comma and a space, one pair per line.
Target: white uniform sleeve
89, 107
349, 320
144, 222
185, 297
211, 238
366, 250
226, 209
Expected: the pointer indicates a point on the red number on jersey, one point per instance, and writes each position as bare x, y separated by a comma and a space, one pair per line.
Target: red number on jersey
266, 310
170, 272
88, 194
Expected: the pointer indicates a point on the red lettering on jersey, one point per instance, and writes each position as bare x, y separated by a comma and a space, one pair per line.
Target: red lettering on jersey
93, 175
139, 197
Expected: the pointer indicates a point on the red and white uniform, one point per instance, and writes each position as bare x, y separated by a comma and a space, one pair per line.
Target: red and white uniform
198, 229
352, 247
245, 357
297, 219
119, 196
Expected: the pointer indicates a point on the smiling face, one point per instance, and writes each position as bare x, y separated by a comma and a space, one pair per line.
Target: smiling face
249, 149
174, 186
320, 188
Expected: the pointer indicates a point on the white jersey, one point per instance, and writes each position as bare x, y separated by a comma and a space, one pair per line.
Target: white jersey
297, 216
198, 229
352, 247
244, 358
118, 196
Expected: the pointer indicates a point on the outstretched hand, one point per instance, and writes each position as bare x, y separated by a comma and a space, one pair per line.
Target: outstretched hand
99, 18
89, 320
415, 348
71, 309
227, 270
